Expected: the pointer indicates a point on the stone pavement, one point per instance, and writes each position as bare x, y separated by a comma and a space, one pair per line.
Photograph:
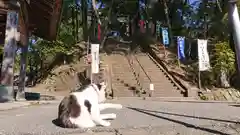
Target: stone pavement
138, 117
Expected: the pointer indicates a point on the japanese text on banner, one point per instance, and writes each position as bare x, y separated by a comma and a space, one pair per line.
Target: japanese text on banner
95, 58
181, 47
165, 36
203, 57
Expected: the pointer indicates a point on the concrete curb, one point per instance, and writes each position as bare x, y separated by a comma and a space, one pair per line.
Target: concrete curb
19, 104
174, 99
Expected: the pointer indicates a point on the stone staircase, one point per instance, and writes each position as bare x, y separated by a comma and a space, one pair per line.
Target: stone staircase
163, 87
123, 80
125, 83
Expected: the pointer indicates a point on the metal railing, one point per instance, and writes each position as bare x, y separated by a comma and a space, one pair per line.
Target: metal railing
134, 65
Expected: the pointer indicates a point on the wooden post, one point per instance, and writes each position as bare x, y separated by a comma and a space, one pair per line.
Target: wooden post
10, 46
24, 51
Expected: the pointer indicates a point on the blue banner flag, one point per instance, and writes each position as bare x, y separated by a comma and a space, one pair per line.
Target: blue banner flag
100, 5
181, 47
165, 36
142, 4
89, 4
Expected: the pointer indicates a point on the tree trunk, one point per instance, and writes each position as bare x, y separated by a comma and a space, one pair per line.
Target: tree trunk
95, 11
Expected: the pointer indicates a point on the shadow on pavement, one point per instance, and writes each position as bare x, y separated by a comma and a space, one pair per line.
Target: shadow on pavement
188, 116
149, 112
236, 105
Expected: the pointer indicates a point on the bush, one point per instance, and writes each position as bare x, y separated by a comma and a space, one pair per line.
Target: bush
224, 60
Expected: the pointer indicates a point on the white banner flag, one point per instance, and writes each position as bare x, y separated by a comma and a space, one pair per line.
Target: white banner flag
95, 58
203, 57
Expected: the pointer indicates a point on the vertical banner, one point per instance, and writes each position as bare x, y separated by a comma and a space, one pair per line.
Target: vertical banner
99, 32
142, 5
165, 37
203, 57
99, 5
181, 47
142, 26
95, 58
158, 28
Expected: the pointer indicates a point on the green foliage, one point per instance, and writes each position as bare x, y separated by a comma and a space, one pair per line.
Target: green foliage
224, 59
186, 20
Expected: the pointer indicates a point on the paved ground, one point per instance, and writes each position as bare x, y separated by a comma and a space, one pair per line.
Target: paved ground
138, 117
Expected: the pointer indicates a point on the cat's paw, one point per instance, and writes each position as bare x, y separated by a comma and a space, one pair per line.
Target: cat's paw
108, 116
112, 116
106, 124
118, 106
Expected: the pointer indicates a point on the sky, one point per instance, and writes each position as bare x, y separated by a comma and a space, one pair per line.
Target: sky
192, 1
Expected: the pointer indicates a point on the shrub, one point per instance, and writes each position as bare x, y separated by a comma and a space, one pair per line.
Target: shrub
224, 60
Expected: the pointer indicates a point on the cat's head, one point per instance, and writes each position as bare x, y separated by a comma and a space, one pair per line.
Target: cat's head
102, 93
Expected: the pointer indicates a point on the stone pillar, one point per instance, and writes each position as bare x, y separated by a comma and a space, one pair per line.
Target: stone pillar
10, 46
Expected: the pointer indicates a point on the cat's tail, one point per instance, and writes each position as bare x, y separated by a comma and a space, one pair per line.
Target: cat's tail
68, 107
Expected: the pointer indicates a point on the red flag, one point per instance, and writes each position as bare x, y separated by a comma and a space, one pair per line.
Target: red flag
99, 32
141, 22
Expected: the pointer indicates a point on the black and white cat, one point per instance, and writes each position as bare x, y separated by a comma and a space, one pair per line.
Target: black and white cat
81, 109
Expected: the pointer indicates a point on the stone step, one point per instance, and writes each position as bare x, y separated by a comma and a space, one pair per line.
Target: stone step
123, 87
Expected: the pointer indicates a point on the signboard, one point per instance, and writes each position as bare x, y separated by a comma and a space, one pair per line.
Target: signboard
203, 57
95, 58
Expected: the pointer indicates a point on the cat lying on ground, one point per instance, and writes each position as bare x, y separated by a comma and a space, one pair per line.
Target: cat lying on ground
81, 109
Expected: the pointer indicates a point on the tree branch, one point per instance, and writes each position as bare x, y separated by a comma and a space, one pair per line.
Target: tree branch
95, 11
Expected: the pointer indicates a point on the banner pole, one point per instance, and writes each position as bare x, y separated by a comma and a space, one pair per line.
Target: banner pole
179, 64
199, 72
178, 49
91, 76
199, 78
